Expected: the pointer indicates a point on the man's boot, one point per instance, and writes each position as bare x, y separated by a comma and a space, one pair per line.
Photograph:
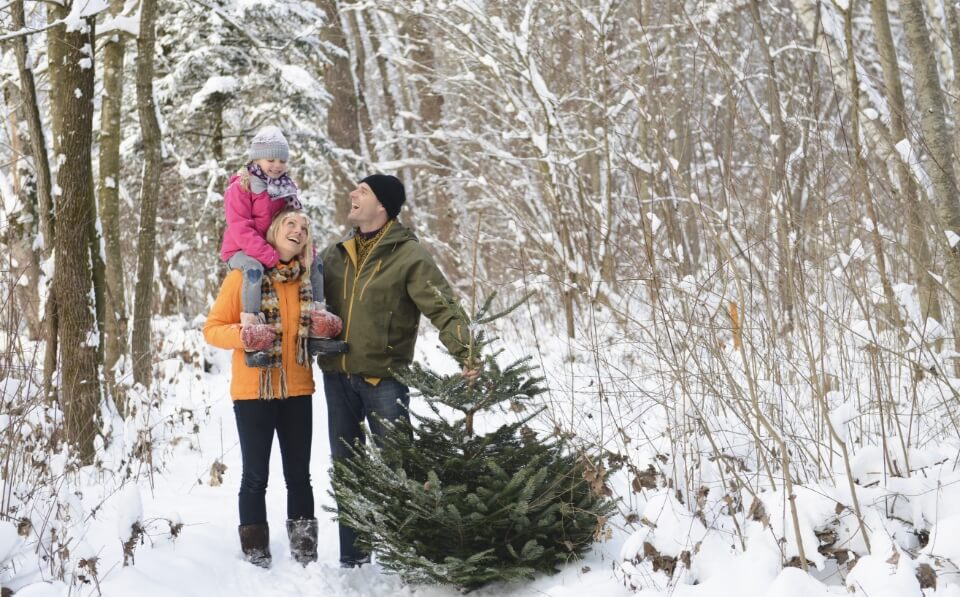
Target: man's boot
255, 543
303, 539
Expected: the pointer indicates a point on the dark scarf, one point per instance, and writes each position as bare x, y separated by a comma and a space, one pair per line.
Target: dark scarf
277, 188
366, 241
270, 305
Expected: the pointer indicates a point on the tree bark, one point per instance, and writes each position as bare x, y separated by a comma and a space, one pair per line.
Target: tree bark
343, 127
21, 233
780, 183
937, 139
861, 179
38, 144
433, 182
115, 309
147, 234
72, 97
917, 240
41, 168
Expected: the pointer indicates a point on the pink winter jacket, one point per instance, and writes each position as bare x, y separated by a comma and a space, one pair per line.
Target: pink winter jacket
248, 217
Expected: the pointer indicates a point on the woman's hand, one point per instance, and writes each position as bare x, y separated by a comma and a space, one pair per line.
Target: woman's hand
256, 337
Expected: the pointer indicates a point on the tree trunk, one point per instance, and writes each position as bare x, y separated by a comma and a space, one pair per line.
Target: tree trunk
343, 127
72, 96
41, 168
38, 144
952, 13
862, 181
917, 239
433, 182
115, 311
936, 137
369, 27
779, 184
21, 233
359, 69
147, 234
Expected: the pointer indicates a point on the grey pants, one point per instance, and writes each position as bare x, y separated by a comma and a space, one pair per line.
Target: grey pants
253, 274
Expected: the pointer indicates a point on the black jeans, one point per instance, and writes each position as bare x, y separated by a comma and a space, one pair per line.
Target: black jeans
350, 400
292, 420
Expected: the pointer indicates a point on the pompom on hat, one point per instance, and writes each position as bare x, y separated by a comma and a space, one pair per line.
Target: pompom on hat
269, 144
389, 191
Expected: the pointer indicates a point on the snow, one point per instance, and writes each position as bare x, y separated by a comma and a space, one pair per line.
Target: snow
120, 24
129, 513
301, 80
216, 84
75, 21
952, 237
9, 540
204, 559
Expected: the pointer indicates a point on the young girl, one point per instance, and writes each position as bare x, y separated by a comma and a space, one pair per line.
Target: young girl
253, 197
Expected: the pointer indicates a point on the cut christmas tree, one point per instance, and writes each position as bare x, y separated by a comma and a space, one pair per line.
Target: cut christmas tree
438, 503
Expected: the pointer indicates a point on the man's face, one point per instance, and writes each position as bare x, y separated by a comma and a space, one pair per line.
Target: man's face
365, 209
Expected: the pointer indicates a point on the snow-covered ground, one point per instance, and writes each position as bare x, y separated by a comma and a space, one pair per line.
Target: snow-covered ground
205, 558
193, 431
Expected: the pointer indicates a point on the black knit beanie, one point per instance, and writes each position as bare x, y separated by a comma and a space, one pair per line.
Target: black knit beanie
389, 191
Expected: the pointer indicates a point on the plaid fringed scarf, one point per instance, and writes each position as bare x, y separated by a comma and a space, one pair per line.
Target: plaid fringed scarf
270, 305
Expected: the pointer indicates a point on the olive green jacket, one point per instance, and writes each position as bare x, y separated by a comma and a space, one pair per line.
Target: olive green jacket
381, 299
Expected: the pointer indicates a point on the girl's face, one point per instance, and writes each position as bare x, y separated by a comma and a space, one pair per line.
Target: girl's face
272, 167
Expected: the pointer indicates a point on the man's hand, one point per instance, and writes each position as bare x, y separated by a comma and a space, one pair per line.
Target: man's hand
324, 324
256, 337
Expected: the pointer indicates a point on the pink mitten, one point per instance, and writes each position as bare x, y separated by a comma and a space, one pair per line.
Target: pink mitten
257, 337
324, 324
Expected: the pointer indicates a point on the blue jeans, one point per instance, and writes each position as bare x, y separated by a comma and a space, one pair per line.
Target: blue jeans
292, 420
350, 402
252, 269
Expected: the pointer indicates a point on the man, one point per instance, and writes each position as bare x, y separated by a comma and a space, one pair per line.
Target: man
379, 279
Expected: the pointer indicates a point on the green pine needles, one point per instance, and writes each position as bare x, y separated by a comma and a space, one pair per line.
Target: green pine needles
438, 503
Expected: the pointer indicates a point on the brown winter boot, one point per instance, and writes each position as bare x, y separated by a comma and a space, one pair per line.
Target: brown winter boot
255, 543
303, 539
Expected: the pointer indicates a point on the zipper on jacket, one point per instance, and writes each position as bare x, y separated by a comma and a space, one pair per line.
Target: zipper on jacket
353, 292
375, 271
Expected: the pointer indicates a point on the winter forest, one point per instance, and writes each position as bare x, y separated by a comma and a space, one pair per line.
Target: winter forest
736, 223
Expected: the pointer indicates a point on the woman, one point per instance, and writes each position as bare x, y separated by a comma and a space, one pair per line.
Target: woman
275, 398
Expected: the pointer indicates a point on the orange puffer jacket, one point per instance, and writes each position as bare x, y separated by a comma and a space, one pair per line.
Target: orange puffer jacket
223, 331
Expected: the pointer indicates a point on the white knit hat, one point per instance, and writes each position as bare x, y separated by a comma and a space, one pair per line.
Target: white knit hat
269, 143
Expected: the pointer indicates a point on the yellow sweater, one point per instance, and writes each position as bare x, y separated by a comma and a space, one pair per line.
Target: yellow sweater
223, 331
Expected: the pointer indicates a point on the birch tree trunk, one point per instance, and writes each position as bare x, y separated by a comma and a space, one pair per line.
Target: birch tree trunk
917, 240
953, 31
115, 310
862, 182
72, 95
937, 138
147, 234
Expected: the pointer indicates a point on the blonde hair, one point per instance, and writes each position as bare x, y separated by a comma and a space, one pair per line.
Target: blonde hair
306, 253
